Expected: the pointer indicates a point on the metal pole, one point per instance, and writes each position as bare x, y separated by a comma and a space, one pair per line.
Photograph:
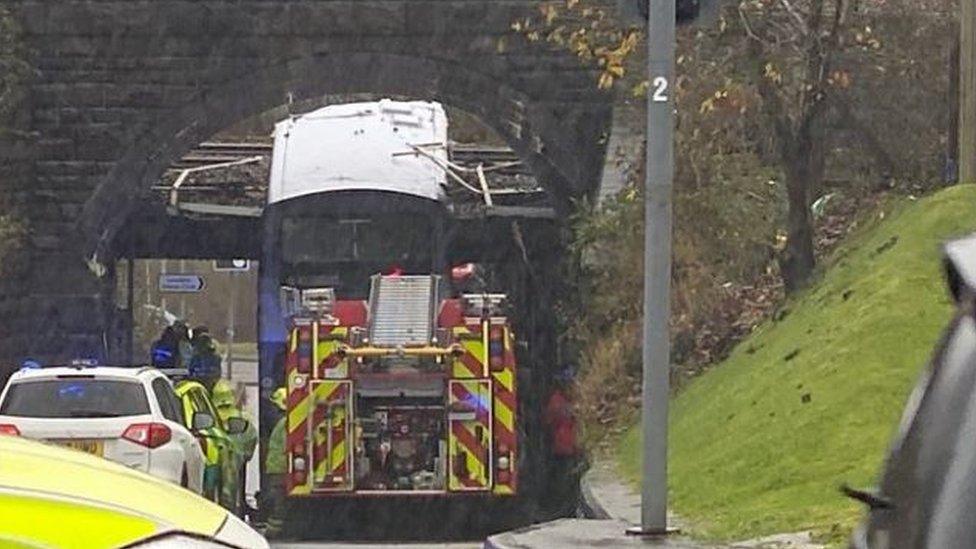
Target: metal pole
967, 92
183, 296
130, 292
149, 284
657, 268
164, 269
231, 314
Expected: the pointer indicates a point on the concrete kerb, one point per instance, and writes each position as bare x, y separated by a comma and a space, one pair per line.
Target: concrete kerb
606, 496
608, 507
591, 505
572, 533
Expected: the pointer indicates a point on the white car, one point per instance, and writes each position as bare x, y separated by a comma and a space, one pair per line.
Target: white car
128, 415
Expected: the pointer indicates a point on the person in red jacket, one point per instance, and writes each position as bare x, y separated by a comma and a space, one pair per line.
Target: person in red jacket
559, 418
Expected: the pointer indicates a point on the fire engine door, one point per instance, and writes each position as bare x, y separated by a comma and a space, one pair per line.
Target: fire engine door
469, 435
331, 427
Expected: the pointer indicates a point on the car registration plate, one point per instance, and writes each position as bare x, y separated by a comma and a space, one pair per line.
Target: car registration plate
94, 447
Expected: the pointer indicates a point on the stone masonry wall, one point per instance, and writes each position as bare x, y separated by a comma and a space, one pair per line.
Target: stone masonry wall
123, 87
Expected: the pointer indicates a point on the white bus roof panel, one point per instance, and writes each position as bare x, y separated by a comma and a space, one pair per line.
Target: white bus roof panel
361, 146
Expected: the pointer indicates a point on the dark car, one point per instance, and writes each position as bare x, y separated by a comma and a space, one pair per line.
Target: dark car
927, 496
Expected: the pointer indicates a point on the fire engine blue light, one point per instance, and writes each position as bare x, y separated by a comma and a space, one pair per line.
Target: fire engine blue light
30, 364
477, 401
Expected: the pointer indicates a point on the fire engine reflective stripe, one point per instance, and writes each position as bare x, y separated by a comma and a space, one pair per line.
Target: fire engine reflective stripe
471, 363
503, 489
297, 410
330, 423
505, 412
509, 355
504, 400
470, 453
328, 341
331, 464
298, 414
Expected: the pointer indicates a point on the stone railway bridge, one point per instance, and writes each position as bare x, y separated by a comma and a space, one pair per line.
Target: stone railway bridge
123, 88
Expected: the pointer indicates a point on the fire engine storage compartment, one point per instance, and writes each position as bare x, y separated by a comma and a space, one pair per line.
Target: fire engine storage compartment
401, 434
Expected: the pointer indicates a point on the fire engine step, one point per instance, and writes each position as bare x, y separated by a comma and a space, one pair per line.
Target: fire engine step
402, 310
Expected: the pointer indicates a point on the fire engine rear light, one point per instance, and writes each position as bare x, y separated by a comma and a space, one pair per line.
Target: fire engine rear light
305, 349
496, 348
8, 429
298, 464
503, 477
150, 435
504, 463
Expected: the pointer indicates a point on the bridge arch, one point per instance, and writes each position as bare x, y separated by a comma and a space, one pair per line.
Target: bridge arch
536, 132
120, 88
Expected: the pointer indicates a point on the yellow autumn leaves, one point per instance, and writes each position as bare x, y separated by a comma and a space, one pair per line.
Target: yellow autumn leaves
586, 31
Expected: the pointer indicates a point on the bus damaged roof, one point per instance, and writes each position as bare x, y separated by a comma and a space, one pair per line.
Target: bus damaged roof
372, 146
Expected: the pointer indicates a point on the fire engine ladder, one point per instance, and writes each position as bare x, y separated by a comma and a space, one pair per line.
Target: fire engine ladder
402, 310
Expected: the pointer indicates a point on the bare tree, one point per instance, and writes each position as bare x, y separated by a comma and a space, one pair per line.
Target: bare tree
793, 44
773, 57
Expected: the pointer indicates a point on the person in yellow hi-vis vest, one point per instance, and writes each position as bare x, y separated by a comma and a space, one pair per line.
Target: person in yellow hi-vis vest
275, 466
246, 440
225, 400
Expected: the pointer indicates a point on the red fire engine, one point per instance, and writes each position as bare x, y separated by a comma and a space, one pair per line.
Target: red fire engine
409, 392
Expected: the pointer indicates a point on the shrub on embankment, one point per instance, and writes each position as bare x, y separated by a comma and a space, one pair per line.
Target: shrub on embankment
760, 443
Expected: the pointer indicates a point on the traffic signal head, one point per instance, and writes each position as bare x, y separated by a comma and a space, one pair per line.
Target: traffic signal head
685, 11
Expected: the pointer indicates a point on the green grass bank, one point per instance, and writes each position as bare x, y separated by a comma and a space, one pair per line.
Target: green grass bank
760, 444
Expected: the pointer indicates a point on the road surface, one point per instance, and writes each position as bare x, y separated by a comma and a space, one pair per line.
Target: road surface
285, 545
244, 371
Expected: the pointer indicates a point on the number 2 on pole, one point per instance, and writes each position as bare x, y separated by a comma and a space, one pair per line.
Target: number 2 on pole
660, 94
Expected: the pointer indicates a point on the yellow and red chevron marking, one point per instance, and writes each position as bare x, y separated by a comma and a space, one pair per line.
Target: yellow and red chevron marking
471, 364
296, 406
330, 423
470, 455
505, 416
328, 339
